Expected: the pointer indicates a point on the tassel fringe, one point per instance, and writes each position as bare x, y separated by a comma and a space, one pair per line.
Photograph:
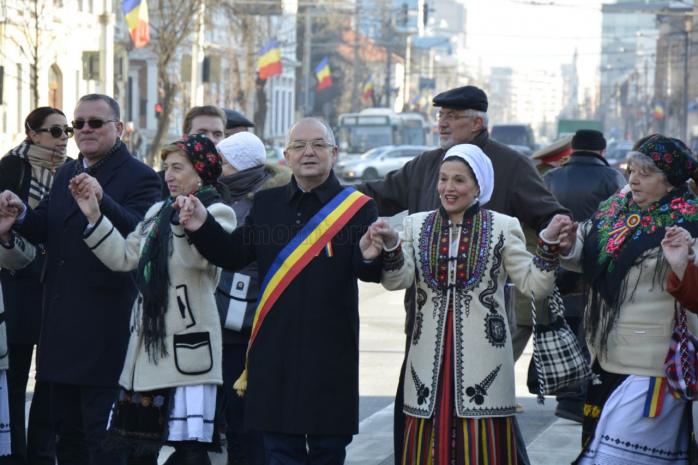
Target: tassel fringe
241, 384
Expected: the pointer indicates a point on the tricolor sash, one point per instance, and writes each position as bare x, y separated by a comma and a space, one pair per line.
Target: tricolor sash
304, 246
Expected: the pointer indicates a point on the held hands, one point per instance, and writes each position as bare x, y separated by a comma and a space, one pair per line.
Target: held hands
676, 245
562, 229
192, 212
79, 183
6, 223
379, 234
86, 199
10, 204
10, 207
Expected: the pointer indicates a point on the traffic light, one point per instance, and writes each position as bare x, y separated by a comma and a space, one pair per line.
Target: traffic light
404, 14
158, 110
425, 16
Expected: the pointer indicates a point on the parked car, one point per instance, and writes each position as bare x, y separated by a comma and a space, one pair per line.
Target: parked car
276, 155
615, 155
377, 162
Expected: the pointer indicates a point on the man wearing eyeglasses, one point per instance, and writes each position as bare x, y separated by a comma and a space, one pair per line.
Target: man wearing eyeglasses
86, 306
518, 189
303, 363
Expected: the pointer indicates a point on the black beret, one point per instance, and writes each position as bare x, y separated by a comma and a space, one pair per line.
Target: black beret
462, 98
588, 139
236, 119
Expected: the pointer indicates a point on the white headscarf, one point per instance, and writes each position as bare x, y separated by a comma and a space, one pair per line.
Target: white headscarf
481, 166
243, 150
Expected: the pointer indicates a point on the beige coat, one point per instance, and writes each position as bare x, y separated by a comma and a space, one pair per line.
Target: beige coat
641, 337
19, 255
193, 330
483, 353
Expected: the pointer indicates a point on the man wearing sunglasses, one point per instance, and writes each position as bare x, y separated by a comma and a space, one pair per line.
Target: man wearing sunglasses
86, 306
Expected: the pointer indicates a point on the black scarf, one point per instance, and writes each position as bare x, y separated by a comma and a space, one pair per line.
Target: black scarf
622, 235
153, 275
93, 168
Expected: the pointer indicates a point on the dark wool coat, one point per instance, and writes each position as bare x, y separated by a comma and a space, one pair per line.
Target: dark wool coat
86, 305
304, 363
243, 185
21, 289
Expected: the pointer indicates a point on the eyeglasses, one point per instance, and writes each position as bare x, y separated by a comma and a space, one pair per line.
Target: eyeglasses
93, 123
57, 131
448, 117
316, 145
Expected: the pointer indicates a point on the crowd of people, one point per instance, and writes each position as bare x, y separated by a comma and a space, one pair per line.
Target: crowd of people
222, 291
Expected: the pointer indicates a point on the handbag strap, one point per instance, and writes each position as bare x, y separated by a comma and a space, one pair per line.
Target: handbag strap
680, 322
536, 353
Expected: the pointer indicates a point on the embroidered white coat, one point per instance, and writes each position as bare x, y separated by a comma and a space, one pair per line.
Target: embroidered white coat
484, 362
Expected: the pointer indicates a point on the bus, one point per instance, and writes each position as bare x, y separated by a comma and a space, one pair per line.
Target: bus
376, 127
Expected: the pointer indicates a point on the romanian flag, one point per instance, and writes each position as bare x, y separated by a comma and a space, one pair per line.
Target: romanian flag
136, 14
655, 397
322, 71
368, 88
658, 110
269, 60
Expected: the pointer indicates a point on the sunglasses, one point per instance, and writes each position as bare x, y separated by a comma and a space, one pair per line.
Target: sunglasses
93, 123
57, 131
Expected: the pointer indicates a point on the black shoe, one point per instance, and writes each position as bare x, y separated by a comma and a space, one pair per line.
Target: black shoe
573, 411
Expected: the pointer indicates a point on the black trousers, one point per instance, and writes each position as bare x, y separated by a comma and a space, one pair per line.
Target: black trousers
301, 449
80, 415
186, 453
251, 442
37, 446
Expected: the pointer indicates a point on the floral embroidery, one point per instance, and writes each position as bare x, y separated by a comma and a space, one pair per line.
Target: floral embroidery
547, 256
470, 259
393, 260
620, 220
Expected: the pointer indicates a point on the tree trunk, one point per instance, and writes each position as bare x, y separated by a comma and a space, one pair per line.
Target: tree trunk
260, 115
164, 121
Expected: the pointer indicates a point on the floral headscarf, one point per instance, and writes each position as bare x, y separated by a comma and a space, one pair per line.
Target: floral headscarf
203, 155
672, 157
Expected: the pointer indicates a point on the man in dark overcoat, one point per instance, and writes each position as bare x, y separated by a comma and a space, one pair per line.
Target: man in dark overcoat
518, 190
86, 306
303, 366
580, 184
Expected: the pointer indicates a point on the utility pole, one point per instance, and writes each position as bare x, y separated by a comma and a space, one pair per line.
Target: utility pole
355, 91
106, 49
408, 58
389, 58
306, 62
196, 94
688, 23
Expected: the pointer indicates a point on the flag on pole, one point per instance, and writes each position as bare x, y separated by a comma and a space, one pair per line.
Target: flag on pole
322, 71
368, 87
136, 14
658, 110
269, 61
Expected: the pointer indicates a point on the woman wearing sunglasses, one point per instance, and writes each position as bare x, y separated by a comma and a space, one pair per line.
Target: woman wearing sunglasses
28, 170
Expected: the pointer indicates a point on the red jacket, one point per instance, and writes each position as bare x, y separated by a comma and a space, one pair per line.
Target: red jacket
684, 290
